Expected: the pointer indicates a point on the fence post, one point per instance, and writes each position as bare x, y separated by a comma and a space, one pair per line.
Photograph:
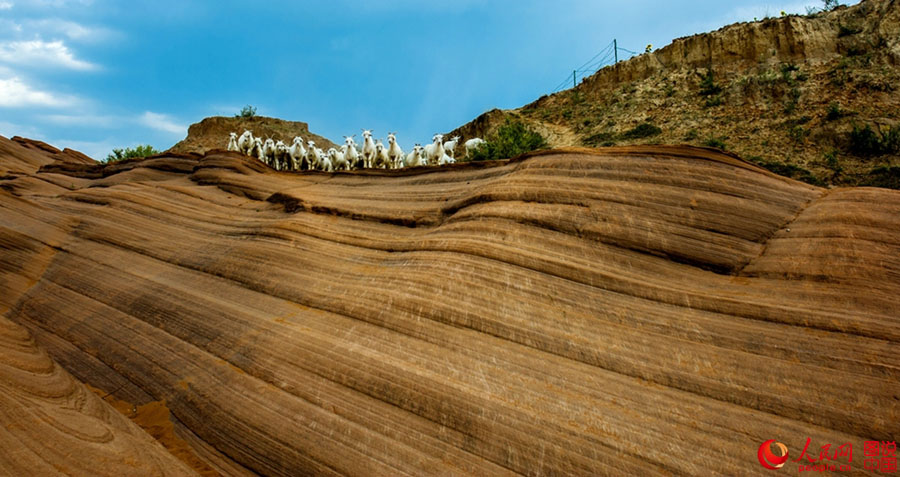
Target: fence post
573, 78
616, 49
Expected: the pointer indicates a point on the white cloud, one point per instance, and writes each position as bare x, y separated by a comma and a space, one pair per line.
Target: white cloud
16, 93
6, 5
53, 27
55, 3
84, 120
162, 122
41, 53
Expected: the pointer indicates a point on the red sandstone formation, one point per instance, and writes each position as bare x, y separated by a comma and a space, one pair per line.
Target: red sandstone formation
640, 311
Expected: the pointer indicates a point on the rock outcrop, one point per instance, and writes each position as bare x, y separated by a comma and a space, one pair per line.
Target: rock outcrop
212, 133
634, 310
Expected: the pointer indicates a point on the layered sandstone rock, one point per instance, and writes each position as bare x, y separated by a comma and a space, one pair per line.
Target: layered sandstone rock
212, 133
642, 311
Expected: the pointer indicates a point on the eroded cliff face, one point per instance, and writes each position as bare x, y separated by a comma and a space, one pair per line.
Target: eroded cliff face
810, 40
785, 93
633, 310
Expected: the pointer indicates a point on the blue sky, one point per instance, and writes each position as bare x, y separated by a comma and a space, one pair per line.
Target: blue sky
97, 74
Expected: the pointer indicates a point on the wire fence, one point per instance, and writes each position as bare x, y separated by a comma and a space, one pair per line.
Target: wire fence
607, 56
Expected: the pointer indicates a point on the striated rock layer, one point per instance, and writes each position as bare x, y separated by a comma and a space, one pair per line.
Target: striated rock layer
641, 310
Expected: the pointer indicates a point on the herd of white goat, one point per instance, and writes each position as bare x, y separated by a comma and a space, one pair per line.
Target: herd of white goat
372, 153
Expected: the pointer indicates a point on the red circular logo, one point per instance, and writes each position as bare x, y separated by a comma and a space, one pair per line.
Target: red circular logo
768, 459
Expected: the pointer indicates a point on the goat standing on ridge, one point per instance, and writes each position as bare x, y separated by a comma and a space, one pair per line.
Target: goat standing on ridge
298, 154
368, 149
435, 151
232, 142
395, 154
245, 143
450, 147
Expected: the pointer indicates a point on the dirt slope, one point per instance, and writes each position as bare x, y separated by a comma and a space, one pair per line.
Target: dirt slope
212, 133
785, 93
636, 310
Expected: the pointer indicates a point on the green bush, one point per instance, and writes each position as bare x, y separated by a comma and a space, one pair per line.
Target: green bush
831, 161
793, 100
713, 101
129, 153
847, 30
792, 171
883, 176
798, 134
512, 138
834, 111
246, 112
640, 131
715, 142
601, 139
865, 141
708, 86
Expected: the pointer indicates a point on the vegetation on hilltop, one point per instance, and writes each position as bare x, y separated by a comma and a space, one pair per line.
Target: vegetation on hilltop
139, 151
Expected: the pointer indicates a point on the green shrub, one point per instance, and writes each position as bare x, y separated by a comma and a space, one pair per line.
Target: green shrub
786, 70
708, 86
512, 138
831, 161
883, 176
834, 111
792, 171
798, 134
793, 101
847, 30
713, 101
129, 153
865, 141
246, 112
691, 135
600, 139
718, 142
640, 131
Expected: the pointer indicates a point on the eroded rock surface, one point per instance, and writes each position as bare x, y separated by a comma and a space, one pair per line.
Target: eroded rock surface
641, 310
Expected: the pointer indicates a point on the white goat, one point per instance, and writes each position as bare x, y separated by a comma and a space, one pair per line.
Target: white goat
257, 150
245, 143
269, 151
445, 159
414, 158
450, 147
338, 160
232, 142
395, 154
381, 156
297, 153
435, 151
368, 149
313, 154
351, 153
281, 156
324, 162
473, 144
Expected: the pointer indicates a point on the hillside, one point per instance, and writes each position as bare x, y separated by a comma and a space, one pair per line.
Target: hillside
633, 310
212, 133
785, 93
